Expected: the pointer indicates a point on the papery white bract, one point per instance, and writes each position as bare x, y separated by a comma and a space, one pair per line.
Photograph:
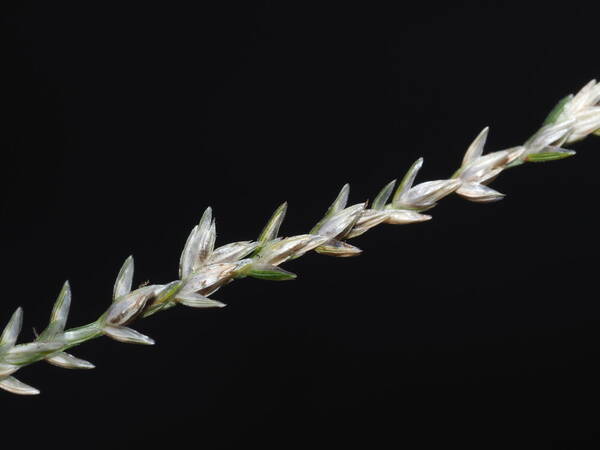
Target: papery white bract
475, 150
124, 279
7, 369
425, 195
195, 300
11, 384
210, 278
368, 219
68, 361
271, 230
406, 183
404, 216
340, 223
11, 331
339, 249
381, 199
127, 335
277, 252
583, 110
232, 252
124, 310
479, 193
21, 354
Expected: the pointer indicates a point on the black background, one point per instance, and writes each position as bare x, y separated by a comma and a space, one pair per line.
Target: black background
121, 122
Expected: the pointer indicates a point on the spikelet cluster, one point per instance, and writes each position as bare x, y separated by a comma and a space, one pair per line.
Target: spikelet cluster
203, 269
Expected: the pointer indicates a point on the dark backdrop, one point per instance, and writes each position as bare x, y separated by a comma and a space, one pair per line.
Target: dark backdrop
121, 122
